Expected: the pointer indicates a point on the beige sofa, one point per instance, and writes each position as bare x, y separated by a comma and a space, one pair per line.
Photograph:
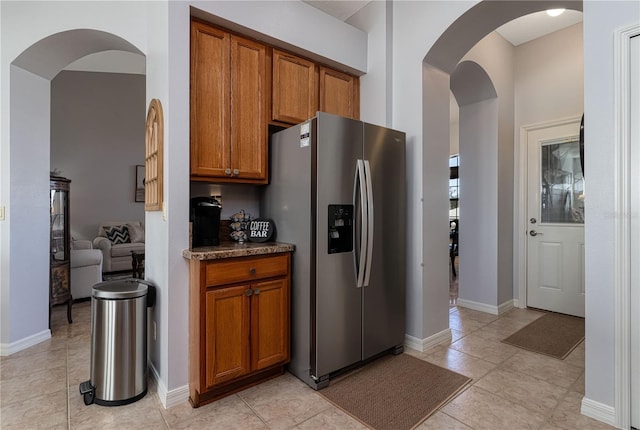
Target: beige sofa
86, 268
117, 256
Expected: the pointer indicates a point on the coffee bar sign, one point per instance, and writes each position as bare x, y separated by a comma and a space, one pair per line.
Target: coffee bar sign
261, 230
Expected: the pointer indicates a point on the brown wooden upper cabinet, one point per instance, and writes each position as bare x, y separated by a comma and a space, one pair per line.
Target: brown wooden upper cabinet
339, 93
228, 107
295, 88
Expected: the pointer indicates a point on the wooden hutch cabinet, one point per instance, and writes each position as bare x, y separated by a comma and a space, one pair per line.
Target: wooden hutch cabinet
60, 252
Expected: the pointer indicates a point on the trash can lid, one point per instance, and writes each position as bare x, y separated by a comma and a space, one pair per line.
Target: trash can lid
120, 289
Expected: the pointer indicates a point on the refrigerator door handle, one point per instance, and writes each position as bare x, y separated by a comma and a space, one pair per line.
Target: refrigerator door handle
359, 190
368, 229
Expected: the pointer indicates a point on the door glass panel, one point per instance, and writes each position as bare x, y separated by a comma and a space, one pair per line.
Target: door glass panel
562, 184
58, 204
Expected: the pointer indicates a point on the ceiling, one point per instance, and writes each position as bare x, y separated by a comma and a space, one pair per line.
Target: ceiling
517, 32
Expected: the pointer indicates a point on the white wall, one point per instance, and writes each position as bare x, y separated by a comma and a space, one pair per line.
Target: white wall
497, 57
600, 20
478, 276
489, 185
478, 236
96, 141
376, 19
549, 78
417, 25
29, 214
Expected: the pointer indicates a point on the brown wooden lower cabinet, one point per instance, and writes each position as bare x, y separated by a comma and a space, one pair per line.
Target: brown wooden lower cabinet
239, 325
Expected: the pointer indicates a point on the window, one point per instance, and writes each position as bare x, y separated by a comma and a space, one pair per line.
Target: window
454, 187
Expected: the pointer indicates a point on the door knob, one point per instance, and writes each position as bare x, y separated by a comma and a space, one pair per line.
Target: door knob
535, 233
227, 171
236, 171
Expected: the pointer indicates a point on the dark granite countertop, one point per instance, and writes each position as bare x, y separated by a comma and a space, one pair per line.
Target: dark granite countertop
236, 249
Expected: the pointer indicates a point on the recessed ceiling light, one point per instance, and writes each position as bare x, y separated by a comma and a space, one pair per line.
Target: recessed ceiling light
554, 12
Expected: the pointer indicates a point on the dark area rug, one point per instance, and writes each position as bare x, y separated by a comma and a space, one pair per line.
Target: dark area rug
552, 334
395, 392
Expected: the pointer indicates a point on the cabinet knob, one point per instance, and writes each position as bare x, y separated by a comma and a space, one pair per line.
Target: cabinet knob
236, 171
256, 291
252, 271
248, 292
227, 171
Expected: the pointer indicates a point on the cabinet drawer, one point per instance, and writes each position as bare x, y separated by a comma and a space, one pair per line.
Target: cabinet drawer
246, 270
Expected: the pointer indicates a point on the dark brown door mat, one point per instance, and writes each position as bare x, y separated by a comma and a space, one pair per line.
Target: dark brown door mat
395, 392
552, 334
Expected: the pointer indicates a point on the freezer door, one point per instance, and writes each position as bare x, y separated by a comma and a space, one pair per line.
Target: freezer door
384, 298
338, 305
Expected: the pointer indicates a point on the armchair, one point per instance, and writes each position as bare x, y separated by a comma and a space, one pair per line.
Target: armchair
86, 268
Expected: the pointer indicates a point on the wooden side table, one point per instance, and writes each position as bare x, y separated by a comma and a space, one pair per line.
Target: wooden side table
137, 264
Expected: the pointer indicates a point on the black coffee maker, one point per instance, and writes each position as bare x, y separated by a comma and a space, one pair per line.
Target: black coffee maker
205, 216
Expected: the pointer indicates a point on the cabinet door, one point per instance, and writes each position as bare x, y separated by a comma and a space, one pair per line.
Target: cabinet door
270, 323
227, 334
294, 89
248, 109
210, 103
339, 93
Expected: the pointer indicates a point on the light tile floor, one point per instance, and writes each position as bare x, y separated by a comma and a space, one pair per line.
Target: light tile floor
511, 389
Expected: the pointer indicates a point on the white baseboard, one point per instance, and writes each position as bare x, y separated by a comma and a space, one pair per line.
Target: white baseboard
477, 306
506, 306
424, 344
169, 398
598, 411
27, 342
483, 307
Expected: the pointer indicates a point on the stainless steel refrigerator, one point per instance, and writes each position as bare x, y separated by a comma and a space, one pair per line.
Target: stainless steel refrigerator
337, 191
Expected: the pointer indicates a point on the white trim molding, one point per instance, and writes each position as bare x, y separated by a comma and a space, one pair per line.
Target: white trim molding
424, 344
622, 225
168, 398
598, 411
483, 307
27, 342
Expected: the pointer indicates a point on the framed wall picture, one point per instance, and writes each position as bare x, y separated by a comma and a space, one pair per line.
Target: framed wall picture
139, 191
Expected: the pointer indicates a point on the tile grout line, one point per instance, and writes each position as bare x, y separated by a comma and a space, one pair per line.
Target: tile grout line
252, 410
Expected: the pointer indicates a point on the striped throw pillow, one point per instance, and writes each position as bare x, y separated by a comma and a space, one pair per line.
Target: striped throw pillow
117, 234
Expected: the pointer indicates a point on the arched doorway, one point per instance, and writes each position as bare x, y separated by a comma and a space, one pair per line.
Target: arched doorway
478, 143
30, 81
438, 67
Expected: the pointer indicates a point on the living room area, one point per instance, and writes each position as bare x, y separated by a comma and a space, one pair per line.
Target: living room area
97, 143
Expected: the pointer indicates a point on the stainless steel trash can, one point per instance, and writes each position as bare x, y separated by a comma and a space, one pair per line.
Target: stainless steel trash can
118, 342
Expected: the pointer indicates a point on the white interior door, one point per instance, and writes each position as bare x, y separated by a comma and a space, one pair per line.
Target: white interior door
555, 213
